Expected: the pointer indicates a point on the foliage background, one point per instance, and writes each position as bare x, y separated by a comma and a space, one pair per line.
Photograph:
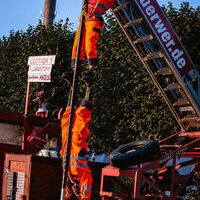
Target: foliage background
128, 106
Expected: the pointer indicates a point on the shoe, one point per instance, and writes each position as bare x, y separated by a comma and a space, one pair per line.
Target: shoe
89, 77
68, 77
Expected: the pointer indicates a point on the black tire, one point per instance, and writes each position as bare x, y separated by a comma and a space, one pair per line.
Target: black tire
134, 153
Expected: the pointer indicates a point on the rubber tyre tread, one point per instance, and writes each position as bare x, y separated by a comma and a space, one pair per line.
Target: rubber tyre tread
134, 153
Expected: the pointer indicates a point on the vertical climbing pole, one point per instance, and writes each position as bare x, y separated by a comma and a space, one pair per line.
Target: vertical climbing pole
72, 102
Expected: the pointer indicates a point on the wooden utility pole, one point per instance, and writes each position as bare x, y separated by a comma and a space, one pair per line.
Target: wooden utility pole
49, 12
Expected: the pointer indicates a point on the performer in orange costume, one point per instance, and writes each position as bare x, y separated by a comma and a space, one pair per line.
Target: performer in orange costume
79, 181
92, 29
79, 178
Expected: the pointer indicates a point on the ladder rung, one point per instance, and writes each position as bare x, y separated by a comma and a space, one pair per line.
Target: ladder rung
163, 71
170, 146
124, 5
157, 54
173, 86
186, 109
144, 38
181, 102
189, 118
133, 22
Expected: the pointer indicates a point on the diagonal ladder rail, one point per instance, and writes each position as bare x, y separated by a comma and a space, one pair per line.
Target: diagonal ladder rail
163, 55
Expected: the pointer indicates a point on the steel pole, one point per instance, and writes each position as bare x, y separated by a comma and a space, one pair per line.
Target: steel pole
72, 102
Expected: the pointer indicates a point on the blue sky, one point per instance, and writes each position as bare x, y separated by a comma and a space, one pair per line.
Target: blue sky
18, 14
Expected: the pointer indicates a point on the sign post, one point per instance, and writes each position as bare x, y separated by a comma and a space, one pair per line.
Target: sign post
39, 71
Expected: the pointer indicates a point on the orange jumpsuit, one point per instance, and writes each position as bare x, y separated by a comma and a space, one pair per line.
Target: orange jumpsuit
79, 171
93, 25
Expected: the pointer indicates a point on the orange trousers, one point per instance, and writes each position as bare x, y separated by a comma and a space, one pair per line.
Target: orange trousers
79, 171
91, 32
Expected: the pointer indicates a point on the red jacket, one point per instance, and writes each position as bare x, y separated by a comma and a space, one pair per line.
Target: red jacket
91, 5
99, 7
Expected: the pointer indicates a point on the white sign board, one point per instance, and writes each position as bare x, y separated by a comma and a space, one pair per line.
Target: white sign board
39, 78
40, 68
41, 60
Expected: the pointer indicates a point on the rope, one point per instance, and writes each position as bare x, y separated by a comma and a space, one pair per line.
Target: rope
84, 11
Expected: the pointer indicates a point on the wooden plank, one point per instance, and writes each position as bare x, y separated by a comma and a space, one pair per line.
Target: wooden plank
153, 55
163, 71
190, 118
144, 38
133, 22
181, 102
173, 86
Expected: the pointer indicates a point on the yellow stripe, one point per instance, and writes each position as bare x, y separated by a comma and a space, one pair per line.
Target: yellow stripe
84, 12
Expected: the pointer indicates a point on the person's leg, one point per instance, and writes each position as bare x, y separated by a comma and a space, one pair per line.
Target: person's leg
64, 128
79, 147
81, 133
93, 29
86, 184
81, 130
75, 45
65, 123
68, 191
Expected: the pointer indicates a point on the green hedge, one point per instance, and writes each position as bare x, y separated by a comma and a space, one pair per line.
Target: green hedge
128, 106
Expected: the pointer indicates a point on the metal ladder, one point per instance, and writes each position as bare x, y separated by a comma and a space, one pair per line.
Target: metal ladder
179, 90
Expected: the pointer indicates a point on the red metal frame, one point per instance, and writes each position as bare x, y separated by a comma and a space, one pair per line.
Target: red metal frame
18, 118
28, 122
11, 117
146, 173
